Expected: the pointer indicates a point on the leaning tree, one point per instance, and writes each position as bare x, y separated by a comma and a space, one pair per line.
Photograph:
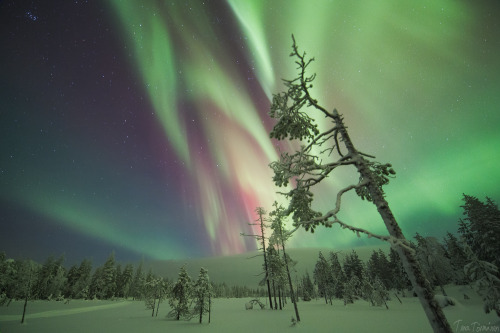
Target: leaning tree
295, 109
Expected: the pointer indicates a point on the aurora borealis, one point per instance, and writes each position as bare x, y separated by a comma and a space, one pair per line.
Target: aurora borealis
142, 126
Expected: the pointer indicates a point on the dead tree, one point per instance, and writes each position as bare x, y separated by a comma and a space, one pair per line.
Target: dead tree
305, 168
281, 236
261, 212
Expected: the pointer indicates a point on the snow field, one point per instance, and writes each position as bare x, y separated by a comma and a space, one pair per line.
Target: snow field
229, 315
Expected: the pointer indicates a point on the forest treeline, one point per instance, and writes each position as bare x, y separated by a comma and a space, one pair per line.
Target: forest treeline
469, 256
51, 280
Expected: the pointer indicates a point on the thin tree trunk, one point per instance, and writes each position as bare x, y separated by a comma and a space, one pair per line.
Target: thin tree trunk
209, 306
279, 297
396, 294
422, 287
274, 293
28, 292
154, 303
265, 259
292, 295
158, 305
201, 308
24, 308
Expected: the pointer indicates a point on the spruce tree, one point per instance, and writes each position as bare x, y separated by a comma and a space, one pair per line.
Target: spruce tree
71, 279
81, 287
137, 283
434, 262
351, 289
481, 228
458, 259
353, 266
180, 295
484, 277
323, 276
202, 292
295, 110
109, 277
96, 287
51, 279
307, 288
400, 280
380, 293
337, 274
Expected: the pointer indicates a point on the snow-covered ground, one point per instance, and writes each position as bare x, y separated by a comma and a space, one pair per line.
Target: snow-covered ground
229, 315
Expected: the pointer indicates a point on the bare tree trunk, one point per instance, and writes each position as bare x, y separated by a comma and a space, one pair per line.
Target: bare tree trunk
396, 294
274, 293
279, 297
265, 258
292, 294
422, 287
158, 305
201, 308
154, 303
24, 308
28, 292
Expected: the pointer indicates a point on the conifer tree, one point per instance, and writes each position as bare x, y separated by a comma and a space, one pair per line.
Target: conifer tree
202, 293
367, 291
81, 286
481, 228
96, 287
7, 273
337, 274
323, 276
296, 110
78, 280
484, 276
351, 289
307, 288
137, 283
180, 295
51, 279
399, 278
109, 277
458, 259
71, 278
125, 281
380, 293
353, 266
433, 260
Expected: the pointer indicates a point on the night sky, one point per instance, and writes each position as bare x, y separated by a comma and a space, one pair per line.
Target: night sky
142, 126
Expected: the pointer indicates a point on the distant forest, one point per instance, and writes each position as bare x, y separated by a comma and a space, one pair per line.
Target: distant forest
470, 256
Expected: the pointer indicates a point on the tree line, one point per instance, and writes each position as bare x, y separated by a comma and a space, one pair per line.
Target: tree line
25, 279
472, 259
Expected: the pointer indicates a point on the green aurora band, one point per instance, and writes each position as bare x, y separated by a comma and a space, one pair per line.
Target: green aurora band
417, 82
